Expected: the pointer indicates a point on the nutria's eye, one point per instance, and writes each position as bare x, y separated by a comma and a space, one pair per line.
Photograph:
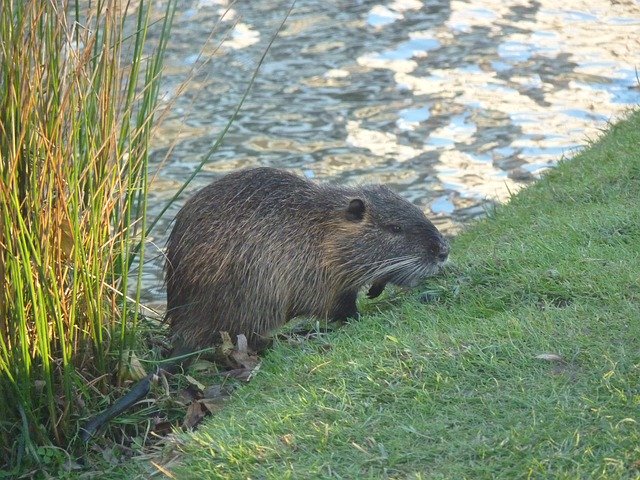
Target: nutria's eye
395, 228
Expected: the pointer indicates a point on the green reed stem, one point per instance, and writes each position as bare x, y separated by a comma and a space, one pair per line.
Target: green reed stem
76, 114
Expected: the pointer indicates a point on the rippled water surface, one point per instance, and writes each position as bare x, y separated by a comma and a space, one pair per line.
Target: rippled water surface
453, 104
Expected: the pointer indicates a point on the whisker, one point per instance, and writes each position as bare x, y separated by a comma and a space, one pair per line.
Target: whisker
401, 265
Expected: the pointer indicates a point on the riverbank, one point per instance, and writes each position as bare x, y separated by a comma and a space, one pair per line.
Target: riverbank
526, 365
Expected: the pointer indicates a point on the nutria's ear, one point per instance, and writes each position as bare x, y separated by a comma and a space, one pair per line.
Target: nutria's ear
355, 210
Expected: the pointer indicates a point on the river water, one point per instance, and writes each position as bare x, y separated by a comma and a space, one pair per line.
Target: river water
453, 104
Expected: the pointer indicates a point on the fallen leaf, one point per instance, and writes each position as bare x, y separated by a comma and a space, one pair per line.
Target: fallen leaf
163, 428
195, 383
242, 344
213, 406
244, 357
66, 237
244, 374
550, 357
202, 366
217, 391
226, 347
195, 413
131, 368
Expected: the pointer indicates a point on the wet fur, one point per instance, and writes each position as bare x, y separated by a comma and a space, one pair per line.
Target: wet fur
258, 247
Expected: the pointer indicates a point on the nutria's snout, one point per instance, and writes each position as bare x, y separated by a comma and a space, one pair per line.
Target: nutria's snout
439, 249
442, 253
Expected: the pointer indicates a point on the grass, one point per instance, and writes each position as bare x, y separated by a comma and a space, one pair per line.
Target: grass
78, 95
526, 366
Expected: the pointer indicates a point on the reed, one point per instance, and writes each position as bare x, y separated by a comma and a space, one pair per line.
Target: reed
78, 95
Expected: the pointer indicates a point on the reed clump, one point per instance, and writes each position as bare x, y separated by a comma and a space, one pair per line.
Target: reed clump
78, 95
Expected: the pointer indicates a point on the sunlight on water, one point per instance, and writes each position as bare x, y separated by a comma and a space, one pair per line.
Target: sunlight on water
454, 104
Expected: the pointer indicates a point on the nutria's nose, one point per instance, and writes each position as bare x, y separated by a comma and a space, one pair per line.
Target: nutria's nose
443, 251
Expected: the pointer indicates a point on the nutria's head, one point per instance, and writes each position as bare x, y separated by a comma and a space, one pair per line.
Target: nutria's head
388, 239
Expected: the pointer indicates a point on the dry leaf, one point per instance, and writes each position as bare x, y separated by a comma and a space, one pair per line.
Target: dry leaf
203, 366
195, 414
550, 357
227, 345
213, 406
244, 357
67, 241
243, 345
195, 383
163, 428
187, 395
218, 391
287, 439
131, 368
243, 374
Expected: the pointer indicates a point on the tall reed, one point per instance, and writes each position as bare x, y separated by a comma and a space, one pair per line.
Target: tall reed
78, 94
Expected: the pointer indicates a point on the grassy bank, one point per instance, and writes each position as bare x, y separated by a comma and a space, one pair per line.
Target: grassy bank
528, 365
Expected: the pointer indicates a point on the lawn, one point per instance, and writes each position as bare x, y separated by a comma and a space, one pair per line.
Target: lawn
525, 364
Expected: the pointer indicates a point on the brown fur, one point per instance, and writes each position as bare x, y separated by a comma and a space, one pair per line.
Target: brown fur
258, 247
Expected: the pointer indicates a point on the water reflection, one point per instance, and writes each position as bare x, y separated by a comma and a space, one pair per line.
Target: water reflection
455, 104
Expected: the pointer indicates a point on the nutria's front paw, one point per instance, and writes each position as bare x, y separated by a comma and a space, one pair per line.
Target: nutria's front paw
376, 289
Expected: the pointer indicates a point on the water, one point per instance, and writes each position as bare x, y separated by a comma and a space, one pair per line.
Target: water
453, 104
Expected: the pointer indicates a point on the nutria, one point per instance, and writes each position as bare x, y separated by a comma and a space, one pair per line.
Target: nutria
258, 247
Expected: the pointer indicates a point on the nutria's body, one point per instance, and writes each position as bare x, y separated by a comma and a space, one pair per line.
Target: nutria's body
258, 247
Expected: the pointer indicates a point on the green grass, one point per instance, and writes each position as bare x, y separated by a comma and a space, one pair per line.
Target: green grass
78, 96
453, 389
